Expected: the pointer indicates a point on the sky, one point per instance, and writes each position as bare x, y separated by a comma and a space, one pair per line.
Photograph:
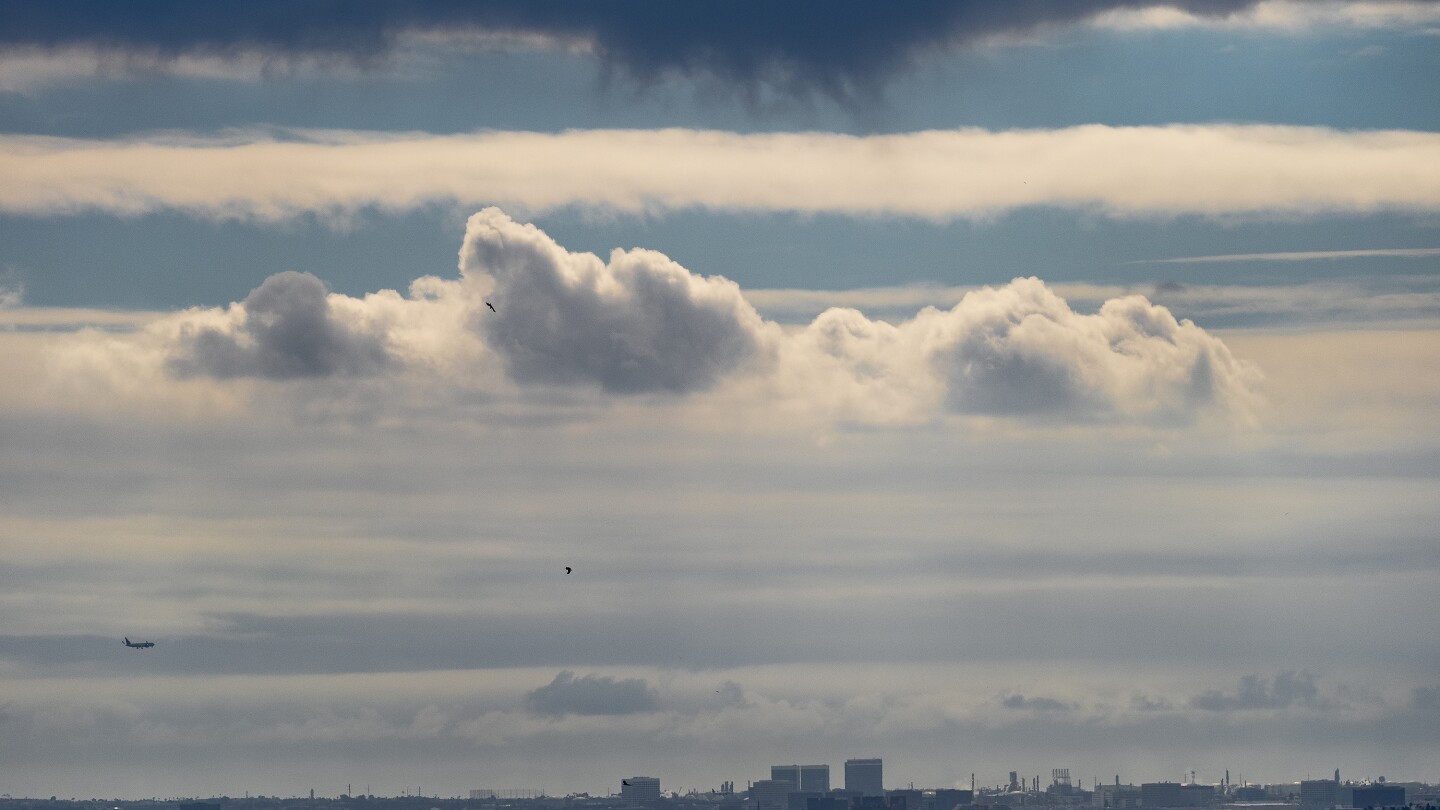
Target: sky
978, 386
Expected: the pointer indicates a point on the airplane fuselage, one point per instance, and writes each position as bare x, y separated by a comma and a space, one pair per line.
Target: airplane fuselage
139, 645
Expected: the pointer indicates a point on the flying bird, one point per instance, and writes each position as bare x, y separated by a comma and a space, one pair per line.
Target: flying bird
567, 569
492, 307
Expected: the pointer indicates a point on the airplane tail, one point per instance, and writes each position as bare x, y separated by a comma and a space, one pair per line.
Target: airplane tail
127, 641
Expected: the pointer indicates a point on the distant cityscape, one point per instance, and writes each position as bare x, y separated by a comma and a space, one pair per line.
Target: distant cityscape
808, 787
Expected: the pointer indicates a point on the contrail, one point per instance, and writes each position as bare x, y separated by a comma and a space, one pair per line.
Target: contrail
1297, 256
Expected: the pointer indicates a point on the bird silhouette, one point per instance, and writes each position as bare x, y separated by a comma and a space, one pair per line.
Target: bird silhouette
492, 307
567, 569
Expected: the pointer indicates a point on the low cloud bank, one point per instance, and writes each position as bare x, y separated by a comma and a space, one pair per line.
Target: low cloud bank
527, 309
1258, 692
591, 694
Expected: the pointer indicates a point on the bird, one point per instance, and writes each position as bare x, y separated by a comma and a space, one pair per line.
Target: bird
492, 307
567, 569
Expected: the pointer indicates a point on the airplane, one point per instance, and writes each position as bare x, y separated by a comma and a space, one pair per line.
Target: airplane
139, 645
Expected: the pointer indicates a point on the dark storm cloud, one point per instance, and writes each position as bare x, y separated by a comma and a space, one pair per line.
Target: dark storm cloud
289, 330
1256, 692
836, 47
591, 694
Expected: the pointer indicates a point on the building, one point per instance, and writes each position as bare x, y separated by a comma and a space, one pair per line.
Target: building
1319, 794
1196, 795
1115, 797
949, 799
815, 778
865, 776
806, 778
1374, 796
1160, 794
905, 799
787, 773
640, 789
771, 794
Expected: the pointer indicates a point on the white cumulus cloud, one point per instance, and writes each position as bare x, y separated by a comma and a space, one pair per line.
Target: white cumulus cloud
642, 324
639, 324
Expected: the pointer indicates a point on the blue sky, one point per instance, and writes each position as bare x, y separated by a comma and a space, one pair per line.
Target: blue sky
890, 384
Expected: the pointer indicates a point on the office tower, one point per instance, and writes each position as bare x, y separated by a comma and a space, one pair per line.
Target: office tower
815, 778
786, 773
864, 776
806, 778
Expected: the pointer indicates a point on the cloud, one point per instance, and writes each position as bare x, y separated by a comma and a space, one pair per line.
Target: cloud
1141, 702
1020, 350
12, 295
840, 48
1041, 704
642, 324
591, 694
639, 324
1157, 171
286, 328
1292, 16
1299, 256
1256, 692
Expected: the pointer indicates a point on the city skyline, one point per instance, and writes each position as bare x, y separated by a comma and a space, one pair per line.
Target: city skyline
643, 789
470, 393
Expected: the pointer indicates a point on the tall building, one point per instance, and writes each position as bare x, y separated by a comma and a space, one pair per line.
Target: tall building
864, 776
640, 789
806, 778
815, 777
787, 773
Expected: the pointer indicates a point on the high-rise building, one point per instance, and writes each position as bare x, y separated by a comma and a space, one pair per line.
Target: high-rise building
864, 776
787, 773
807, 778
640, 789
815, 778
